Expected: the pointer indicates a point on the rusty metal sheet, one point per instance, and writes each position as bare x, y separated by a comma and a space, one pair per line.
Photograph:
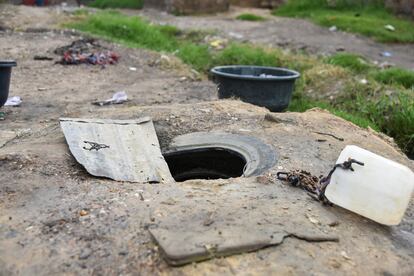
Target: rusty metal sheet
123, 150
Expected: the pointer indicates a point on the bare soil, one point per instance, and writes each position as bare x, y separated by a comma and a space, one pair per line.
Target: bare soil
57, 219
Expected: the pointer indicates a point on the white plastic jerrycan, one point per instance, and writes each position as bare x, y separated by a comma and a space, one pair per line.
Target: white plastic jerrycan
380, 190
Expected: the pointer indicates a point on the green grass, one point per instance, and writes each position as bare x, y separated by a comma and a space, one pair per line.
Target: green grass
81, 12
244, 54
250, 17
301, 103
117, 4
363, 104
396, 76
349, 61
352, 16
132, 31
198, 56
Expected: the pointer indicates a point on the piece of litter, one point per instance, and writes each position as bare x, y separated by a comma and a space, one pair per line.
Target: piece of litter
266, 76
39, 57
380, 190
100, 58
133, 69
386, 54
345, 255
363, 81
333, 29
86, 51
236, 35
217, 44
118, 98
13, 101
123, 150
390, 28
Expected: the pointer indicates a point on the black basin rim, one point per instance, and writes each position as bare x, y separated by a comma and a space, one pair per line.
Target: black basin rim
294, 74
7, 63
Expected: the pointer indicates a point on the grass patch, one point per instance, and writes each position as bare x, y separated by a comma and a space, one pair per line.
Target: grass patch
117, 4
81, 12
353, 16
363, 104
132, 31
197, 56
244, 54
396, 76
301, 103
352, 62
250, 17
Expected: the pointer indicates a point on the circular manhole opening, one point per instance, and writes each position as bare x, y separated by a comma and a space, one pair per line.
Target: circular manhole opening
205, 163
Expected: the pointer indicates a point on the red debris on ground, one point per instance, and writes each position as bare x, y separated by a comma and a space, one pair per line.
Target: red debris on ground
99, 58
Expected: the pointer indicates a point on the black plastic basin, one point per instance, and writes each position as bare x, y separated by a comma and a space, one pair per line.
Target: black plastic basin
5, 74
270, 87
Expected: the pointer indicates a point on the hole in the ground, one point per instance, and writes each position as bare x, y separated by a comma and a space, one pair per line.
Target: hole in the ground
205, 163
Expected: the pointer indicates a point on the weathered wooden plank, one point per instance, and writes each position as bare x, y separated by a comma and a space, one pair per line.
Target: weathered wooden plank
123, 150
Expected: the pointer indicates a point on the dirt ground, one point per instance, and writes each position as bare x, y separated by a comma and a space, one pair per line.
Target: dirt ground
57, 219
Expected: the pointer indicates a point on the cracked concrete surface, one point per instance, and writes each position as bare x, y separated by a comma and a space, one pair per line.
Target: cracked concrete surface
57, 219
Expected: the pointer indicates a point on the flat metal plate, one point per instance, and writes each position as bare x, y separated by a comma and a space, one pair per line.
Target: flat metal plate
123, 150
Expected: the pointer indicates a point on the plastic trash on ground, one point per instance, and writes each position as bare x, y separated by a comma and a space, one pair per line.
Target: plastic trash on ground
118, 98
13, 101
380, 190
386, 54
390, 28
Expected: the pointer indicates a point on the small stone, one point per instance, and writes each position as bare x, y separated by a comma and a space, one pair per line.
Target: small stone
83, 213
335, 263
345, 255
333, 224
265, 179
123, 252
86, 253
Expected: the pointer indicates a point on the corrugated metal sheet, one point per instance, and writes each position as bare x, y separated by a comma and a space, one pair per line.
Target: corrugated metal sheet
123, 150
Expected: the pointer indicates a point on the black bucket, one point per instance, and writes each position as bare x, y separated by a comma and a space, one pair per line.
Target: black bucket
270, 87
5, 74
